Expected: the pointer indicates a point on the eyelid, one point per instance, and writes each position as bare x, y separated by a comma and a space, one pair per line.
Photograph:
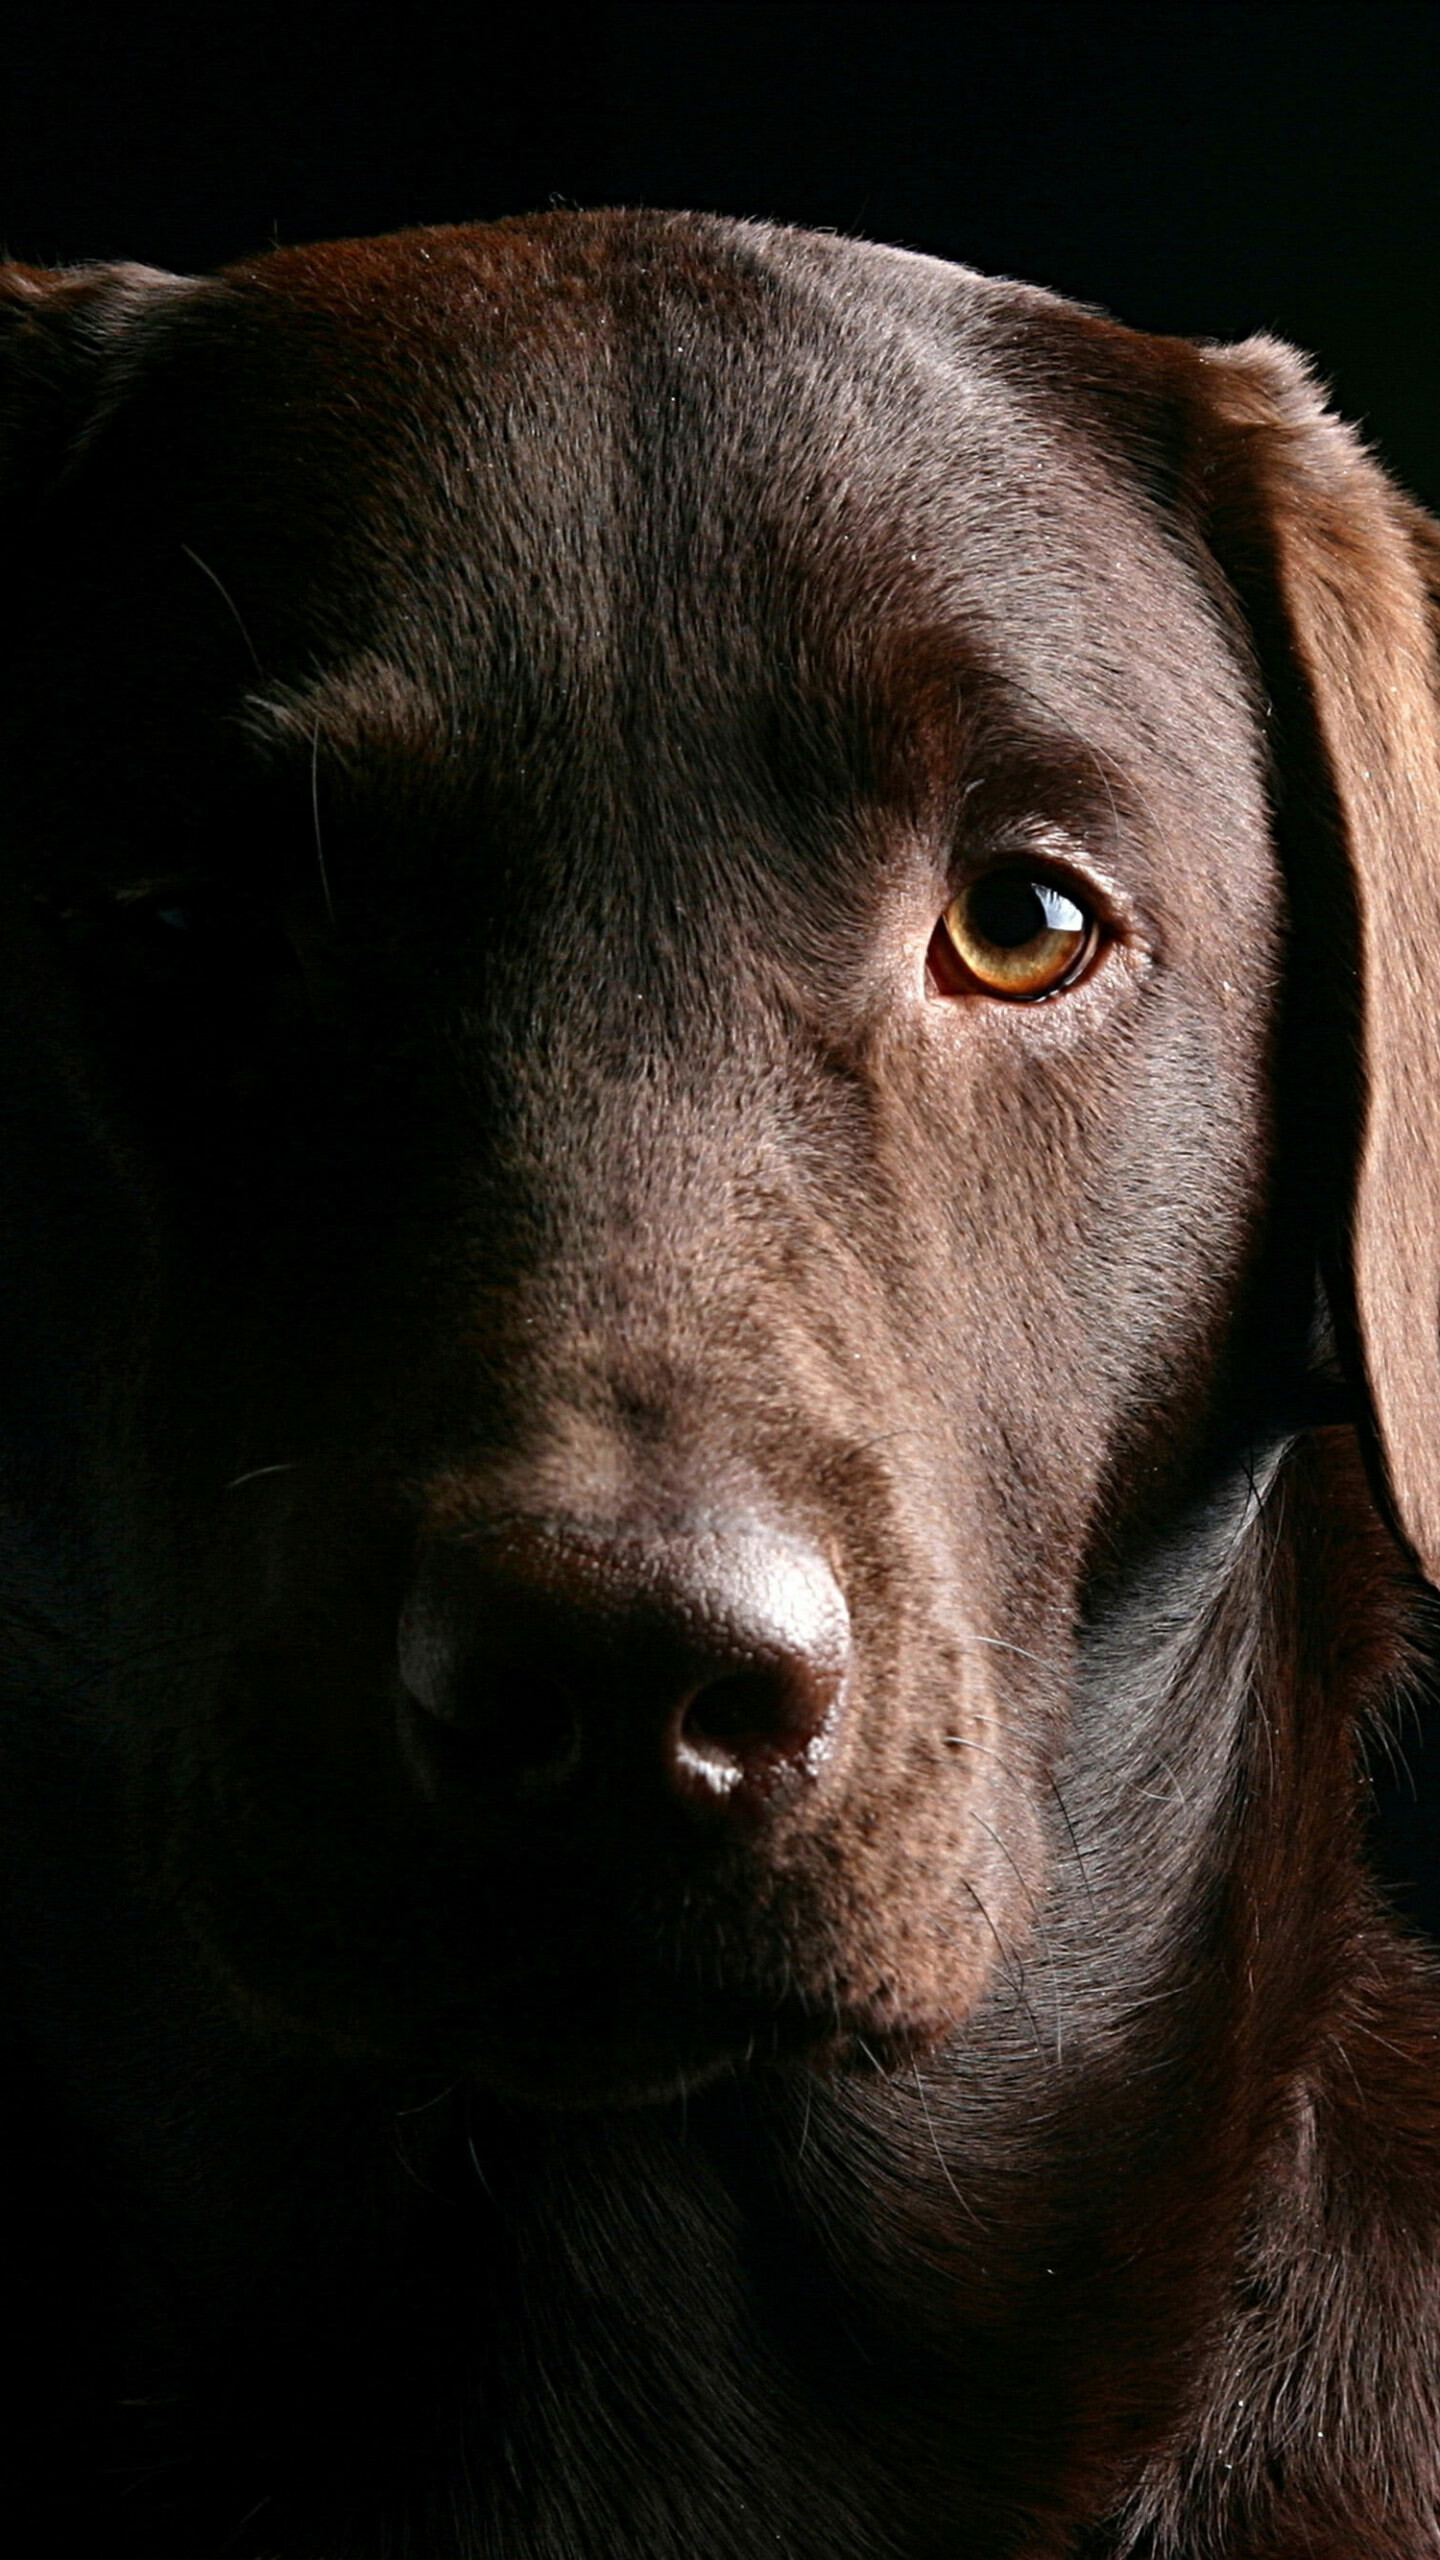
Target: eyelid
1051, 852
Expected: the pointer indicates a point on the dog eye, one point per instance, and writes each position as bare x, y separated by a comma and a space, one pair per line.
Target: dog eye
1014, 935
175, 960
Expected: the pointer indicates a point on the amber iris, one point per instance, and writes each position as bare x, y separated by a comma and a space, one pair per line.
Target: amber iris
1013, 935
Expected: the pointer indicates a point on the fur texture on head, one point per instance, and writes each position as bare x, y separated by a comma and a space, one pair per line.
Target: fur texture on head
687, 1606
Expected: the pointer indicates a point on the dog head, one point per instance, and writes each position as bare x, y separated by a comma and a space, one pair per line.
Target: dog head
661, 1064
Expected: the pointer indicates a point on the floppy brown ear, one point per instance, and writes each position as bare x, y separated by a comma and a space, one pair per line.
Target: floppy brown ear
69, 338
1341, 567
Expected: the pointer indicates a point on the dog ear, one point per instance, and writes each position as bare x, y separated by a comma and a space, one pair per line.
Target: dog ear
70, 340
1336, 571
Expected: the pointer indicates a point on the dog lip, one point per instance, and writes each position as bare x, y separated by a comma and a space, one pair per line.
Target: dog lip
619, 2062
616, 2070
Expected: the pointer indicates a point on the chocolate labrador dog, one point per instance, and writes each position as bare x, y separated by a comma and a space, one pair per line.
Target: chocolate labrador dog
722, 1401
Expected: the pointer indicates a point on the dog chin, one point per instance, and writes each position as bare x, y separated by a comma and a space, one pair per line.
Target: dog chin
544, 2060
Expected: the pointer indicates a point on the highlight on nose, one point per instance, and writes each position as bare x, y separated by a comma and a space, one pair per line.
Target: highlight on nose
534, 1655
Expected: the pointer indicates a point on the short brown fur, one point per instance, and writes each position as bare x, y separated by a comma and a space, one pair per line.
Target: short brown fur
688, 1622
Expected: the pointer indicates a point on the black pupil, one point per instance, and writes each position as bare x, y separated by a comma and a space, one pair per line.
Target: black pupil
1008, 910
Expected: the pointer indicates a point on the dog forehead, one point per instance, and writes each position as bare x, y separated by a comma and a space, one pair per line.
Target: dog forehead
698, 530
670, 467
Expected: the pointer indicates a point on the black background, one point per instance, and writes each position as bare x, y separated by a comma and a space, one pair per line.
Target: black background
1209, 169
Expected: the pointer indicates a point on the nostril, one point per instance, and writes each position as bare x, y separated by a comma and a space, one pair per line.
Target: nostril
548, 1736
737, 1710
756, 1728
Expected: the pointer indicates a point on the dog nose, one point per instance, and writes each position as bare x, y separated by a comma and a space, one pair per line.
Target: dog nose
533, 1657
